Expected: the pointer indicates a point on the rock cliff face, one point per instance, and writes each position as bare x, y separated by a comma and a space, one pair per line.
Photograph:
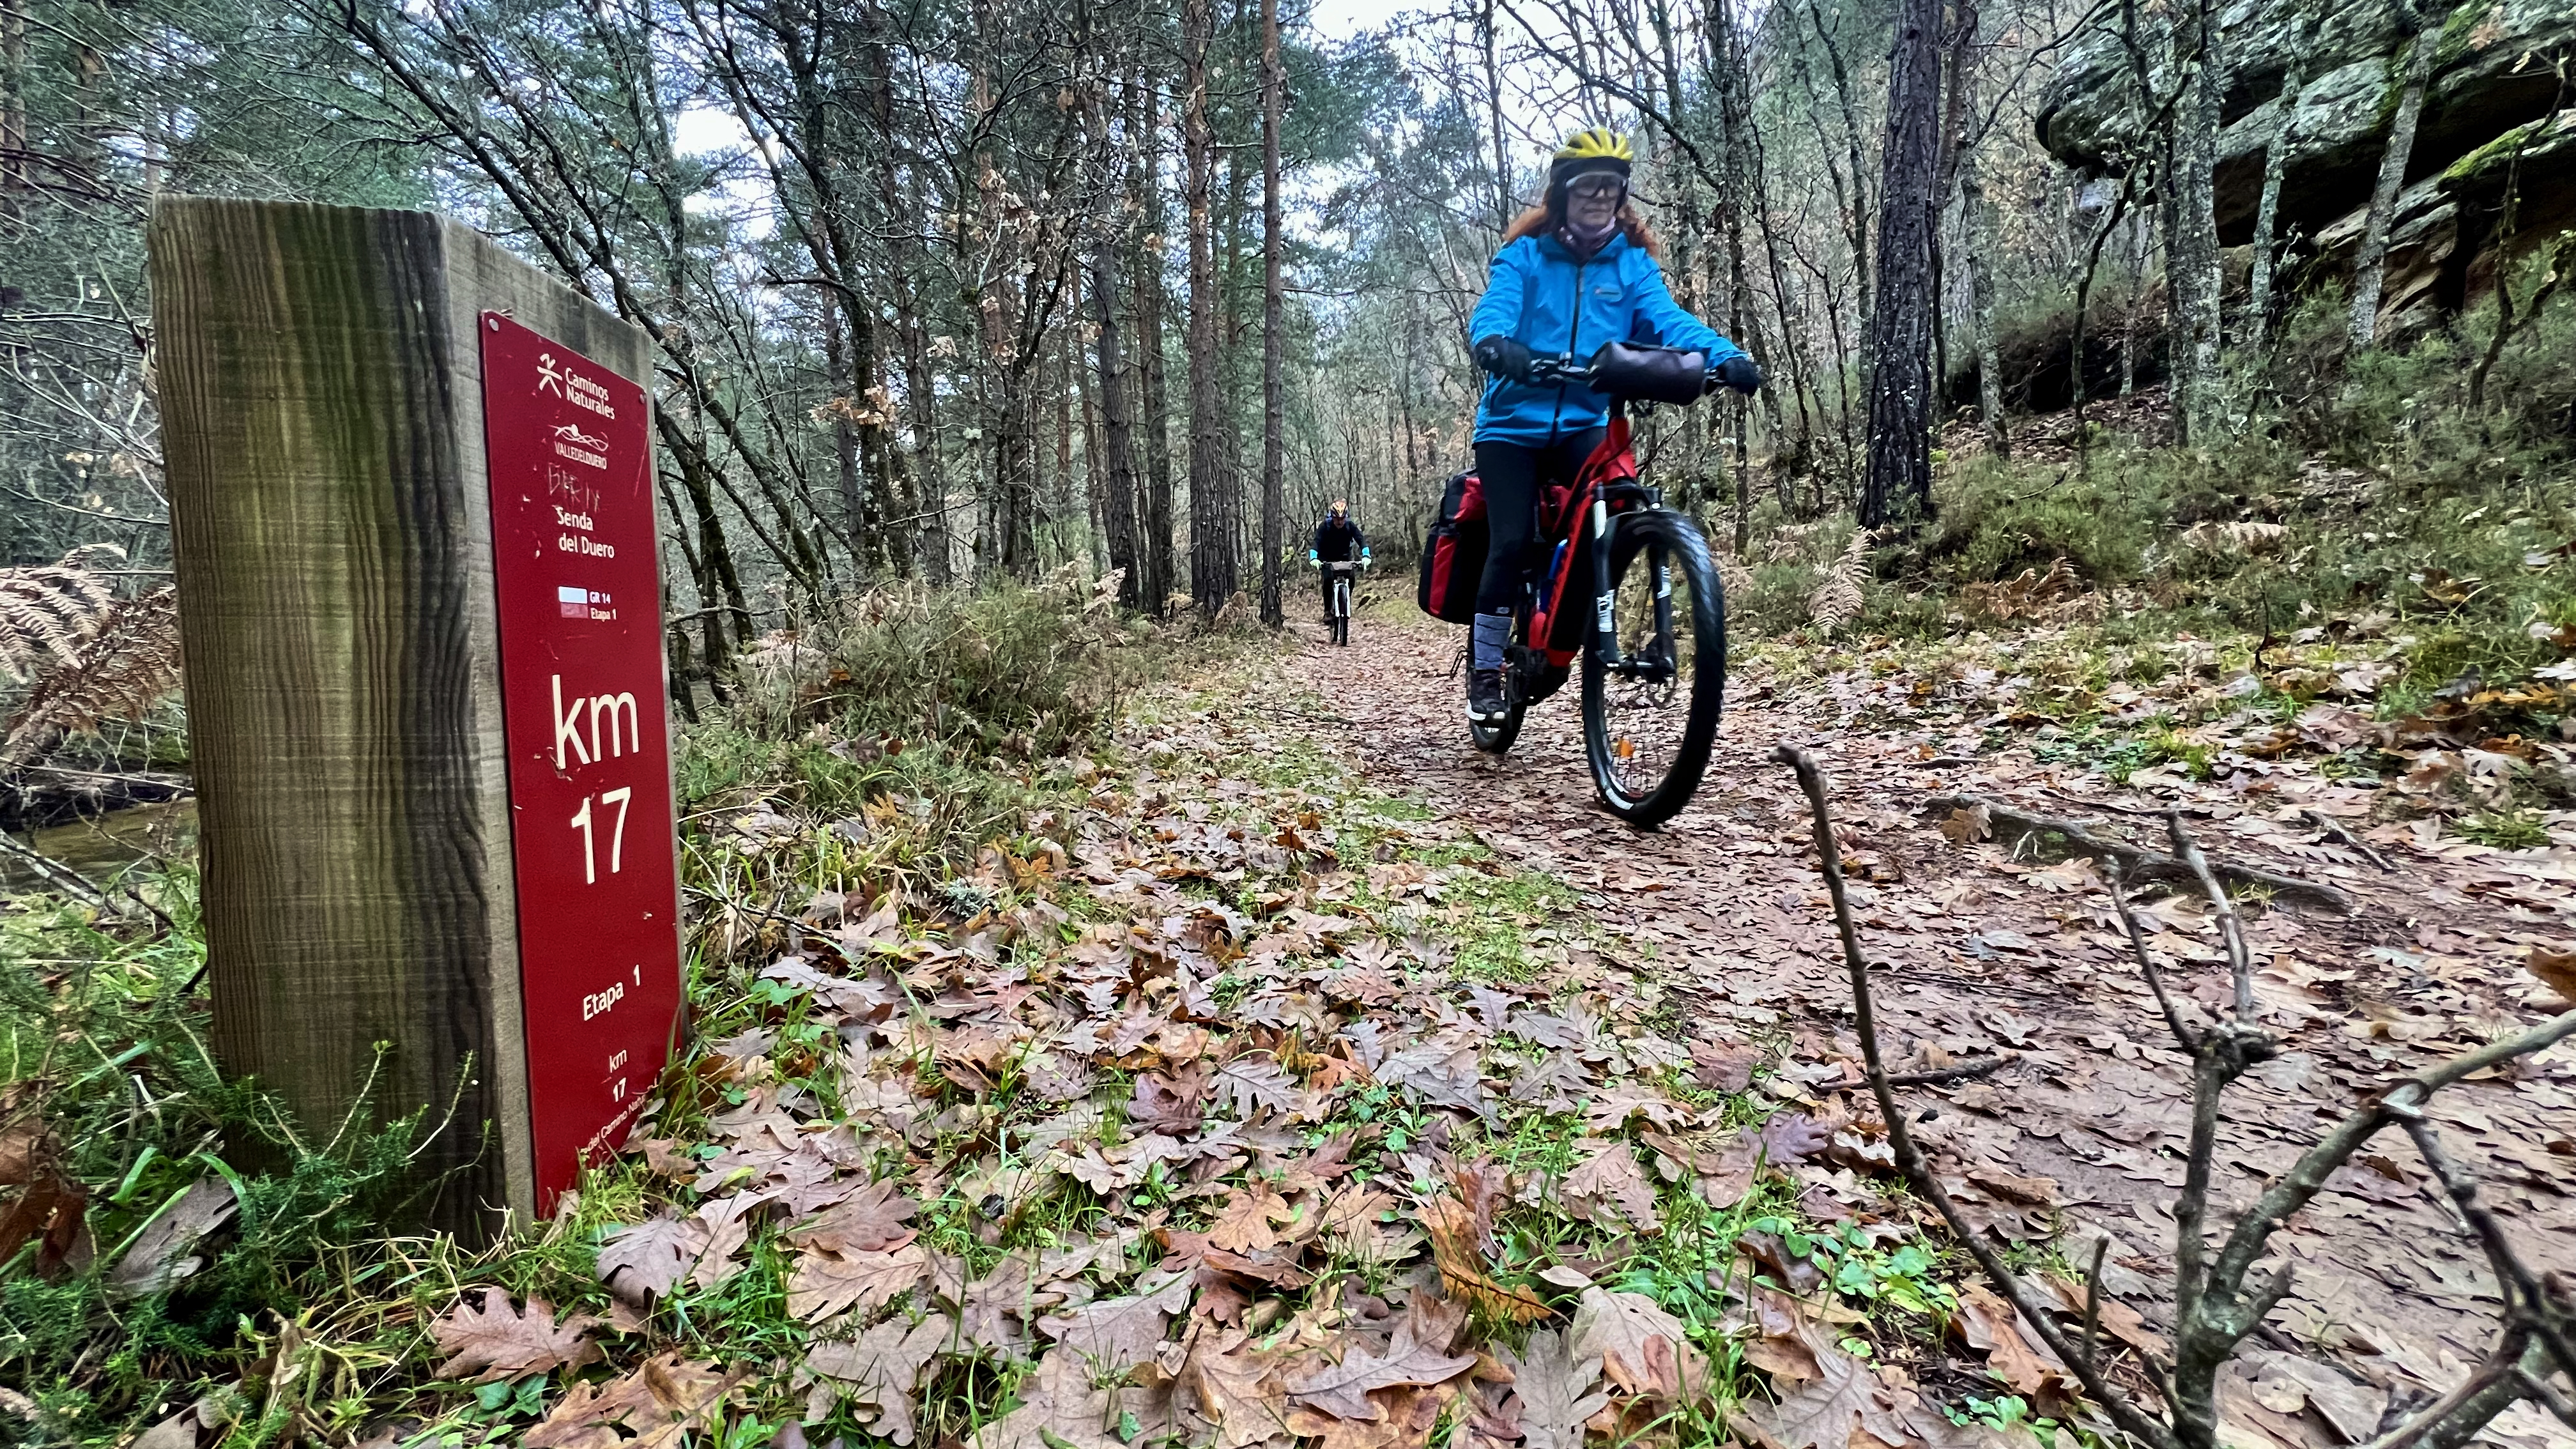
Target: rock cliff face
2492, 89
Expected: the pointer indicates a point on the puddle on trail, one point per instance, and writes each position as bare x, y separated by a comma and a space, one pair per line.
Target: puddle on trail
99, 848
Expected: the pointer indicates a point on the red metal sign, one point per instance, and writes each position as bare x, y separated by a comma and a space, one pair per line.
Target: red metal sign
590, 759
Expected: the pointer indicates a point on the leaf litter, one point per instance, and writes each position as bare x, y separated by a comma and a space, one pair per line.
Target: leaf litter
1245, 1105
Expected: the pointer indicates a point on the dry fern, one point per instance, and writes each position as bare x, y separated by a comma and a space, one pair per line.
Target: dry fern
1733, 576
2213, 537
48, 614
2056, 594
1837, 601
127, 662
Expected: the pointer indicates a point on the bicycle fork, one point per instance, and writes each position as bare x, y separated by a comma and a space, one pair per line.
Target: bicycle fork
1656, 663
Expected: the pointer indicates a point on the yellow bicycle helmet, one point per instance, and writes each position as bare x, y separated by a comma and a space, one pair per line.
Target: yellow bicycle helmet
1598, 143
1596, 148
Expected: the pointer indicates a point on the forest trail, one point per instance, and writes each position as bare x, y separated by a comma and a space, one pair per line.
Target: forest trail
2082, 1136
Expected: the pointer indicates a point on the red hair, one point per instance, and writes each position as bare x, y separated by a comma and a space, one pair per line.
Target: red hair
1544, 219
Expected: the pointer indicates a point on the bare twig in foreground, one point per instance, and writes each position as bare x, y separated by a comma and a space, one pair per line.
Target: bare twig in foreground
1909, 1158
2217, 1304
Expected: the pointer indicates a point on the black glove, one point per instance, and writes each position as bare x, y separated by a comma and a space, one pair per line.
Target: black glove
1739, 372
1505, 357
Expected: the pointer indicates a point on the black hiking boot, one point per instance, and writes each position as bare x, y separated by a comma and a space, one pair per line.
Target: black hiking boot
1485, 702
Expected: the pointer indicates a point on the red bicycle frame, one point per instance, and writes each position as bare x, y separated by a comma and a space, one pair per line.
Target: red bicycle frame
1589, 502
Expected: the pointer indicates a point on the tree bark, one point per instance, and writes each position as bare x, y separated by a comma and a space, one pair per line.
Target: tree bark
2370, 266
1113, 462
1494, 117
13, 104
1154, 554
2267, 211
2191, 249
1898, 486
1274, 462
1212, 557
1981, 303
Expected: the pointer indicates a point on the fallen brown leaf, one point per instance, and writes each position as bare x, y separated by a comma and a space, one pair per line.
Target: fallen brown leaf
2555, 970
1608, 1188
507, 1342
1339, 1388
878, 1370
824, 1285
651, 1408
1118, 1333
1556, 1392
1452, 1229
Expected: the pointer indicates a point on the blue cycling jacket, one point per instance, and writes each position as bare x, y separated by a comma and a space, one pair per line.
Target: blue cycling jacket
1556, 305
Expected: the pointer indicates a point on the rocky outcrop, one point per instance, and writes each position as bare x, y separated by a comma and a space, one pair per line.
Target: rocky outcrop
2492, 89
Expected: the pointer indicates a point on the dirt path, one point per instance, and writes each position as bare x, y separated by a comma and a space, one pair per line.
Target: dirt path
2082, 1138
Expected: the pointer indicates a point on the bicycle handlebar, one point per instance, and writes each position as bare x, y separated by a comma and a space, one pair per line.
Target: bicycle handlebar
1639, 373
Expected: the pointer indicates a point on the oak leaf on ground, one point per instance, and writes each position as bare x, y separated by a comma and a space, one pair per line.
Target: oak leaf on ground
879, 1369
644, 1260
1556, 1392
1454, 1246
507, 1342
1173, 1102
824, 1285
1621, 1330
651, 1408
1990, 1325
1408, 1413
1610, 1189
2555, 970
1244, 1222
1119, 1333
871, 1220
1237, 1386
1340, 1389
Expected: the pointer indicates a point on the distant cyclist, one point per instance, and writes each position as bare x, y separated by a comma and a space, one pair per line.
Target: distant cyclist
1337, 540
1575, 271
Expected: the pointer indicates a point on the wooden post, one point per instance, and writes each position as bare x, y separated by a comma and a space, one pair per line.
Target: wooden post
374, 581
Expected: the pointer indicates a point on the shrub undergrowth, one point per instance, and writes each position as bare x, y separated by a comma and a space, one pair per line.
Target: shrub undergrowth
930, 728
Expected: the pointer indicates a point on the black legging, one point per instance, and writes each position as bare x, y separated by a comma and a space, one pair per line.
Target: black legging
1512, 473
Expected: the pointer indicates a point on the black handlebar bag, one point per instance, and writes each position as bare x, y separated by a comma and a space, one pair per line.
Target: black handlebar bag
1453, 558
1650, 374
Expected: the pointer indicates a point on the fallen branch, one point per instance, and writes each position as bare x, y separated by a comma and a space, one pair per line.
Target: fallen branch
2218, 1303
1974, 1067
2335, 831
2011, 825
2124, 1411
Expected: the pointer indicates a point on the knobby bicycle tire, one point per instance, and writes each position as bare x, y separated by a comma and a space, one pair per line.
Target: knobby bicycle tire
1686, 553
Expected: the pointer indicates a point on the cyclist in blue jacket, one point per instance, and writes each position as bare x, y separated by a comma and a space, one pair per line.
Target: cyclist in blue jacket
1575, 271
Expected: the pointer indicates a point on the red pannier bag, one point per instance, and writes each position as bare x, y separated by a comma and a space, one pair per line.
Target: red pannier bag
1453, 558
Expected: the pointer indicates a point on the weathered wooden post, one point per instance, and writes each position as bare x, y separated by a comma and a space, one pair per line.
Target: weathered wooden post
411, 496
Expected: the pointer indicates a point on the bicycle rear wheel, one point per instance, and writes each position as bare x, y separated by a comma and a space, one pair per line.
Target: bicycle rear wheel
1648, 726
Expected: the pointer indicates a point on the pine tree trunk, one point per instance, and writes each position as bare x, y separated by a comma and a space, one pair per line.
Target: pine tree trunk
2138, 258
2370, 266
1111, 456
1274, 462
1154, 552
1898, 485
13, 105
1494, 115
923, 493
1981, 303
1212, 559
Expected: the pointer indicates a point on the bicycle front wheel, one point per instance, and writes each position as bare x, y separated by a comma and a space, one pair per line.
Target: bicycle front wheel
1649, 721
